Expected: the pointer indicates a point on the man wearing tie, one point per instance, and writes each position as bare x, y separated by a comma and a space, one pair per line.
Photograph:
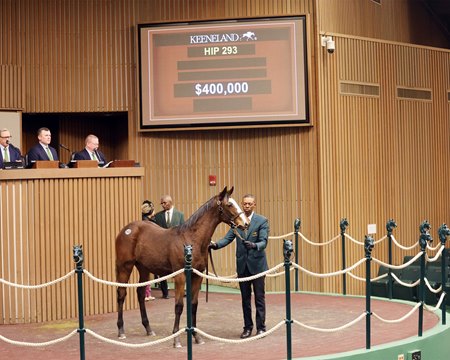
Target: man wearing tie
8, 152
250, 260
91, 151
43, 150
167, 218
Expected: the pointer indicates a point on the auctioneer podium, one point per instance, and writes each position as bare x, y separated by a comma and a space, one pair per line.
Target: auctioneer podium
44, 213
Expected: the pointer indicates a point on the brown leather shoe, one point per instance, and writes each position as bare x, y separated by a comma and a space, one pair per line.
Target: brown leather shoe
246, 333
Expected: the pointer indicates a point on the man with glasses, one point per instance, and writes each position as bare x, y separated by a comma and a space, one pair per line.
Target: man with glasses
91, 151
43, 151
8, 152
168, 217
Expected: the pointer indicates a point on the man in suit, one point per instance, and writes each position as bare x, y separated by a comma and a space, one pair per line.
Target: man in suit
167, 218
8, 152
91, 151
250, 260
43, 150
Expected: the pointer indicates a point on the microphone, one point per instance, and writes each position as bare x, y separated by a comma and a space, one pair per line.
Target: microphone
65, 147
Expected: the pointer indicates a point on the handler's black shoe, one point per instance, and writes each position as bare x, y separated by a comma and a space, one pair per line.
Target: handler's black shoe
246, 333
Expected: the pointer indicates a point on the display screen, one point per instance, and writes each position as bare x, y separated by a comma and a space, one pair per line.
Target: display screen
222, 74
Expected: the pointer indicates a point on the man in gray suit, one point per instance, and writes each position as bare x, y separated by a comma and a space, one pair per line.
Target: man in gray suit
168, 217
250, 260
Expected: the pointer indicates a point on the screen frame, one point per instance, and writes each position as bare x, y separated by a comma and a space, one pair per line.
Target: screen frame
234, 123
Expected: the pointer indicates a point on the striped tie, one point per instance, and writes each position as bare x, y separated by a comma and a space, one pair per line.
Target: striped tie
6, 155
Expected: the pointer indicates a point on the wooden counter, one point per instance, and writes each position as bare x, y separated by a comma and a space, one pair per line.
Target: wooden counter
43, 214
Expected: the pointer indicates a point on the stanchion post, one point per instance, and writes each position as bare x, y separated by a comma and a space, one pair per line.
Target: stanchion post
297, 224
443, 232
188, 274
287, 251
78, 258
368, 246
423, 240
390, 226
343, 225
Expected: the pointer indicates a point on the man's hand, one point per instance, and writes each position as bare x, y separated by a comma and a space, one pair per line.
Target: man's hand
213, 245
249, 245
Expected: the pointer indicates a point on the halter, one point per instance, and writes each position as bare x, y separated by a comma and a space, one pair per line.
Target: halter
232, 221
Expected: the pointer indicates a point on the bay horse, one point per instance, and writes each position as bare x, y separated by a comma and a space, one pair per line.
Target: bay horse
153, 249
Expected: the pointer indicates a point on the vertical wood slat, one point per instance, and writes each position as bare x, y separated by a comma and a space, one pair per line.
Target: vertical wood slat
41, 220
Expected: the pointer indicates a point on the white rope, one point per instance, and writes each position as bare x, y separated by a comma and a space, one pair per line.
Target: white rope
390, 266
340, 272
241, 341
417, 282
150, 282
244, 279
227, 276
333, 329
46, 343
438, 305
356, 277
380, 240
134, 346
6, 282
434, 248
435, 257
319, 244
404, 247
281, 236
397, 320
280, 273
353, 240
433, 290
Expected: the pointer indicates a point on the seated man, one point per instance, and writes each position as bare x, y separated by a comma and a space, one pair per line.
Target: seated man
43, 150
91, 152
9, 153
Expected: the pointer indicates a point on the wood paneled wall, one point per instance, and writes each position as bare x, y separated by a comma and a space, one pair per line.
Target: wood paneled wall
382, 156
43, 214
367, 159
392, 20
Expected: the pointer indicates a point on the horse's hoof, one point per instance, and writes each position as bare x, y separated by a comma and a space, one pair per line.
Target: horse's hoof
177, 344
199, 342
151, 333
122, 336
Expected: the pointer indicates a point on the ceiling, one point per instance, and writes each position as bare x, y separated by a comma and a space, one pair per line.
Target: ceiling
440, 10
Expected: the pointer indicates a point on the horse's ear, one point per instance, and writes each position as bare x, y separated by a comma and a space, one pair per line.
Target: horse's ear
230, 191
223, 193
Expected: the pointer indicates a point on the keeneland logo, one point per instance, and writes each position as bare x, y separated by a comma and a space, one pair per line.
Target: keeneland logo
221, 38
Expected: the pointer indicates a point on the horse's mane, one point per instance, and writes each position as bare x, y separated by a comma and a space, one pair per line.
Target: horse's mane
199, 213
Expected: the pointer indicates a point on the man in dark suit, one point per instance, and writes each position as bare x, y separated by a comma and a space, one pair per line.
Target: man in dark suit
8, 152
167, 218
91, 151
43, 150
250, 260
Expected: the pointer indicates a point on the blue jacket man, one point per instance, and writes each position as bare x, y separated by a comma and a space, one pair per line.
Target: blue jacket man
43, 151
91, 151
250, 260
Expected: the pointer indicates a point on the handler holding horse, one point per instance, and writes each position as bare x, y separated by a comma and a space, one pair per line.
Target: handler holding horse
250, 260
151, 248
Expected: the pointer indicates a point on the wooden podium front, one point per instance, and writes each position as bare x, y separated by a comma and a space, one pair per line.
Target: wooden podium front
45, 164
45, 212
122, 163
85, 164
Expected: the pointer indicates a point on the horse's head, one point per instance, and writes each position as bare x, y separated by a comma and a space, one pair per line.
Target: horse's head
230, 212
